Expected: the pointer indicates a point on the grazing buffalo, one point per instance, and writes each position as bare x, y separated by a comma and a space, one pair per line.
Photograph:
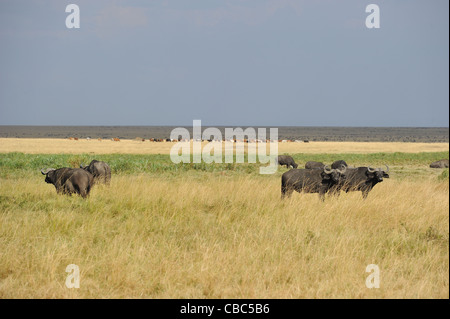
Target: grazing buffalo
286, 160
443, 163
310, 180
339, 164
100, 170
312, 164
361, 179
69, 180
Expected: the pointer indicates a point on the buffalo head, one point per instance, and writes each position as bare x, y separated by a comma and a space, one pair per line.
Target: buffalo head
377, 173
333, 173
48, 175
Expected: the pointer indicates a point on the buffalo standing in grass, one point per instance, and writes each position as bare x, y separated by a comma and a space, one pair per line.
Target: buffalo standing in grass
312, 164
443, 163
286, 160
310, 181
100, 170
69, 180
361, 179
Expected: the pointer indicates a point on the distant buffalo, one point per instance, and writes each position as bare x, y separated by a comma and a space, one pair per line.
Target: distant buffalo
100, 170
286, 160
361, 179
69, 180
312, 164
443, 163
339, 164
310, 181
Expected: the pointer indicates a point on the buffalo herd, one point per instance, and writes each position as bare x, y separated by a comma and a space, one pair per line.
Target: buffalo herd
78, 180
319, 178
316, 177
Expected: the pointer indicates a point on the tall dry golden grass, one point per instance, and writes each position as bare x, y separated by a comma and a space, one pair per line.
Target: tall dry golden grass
58, 146
211, 235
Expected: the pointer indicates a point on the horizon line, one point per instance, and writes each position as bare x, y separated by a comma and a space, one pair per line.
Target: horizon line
222, 125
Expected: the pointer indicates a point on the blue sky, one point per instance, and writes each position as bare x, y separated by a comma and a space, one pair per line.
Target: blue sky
247, 62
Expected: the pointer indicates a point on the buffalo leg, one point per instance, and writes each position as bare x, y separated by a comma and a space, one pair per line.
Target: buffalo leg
335, 192
69, 188
84, 193
365, 191
88, 190
322, 196
286, 191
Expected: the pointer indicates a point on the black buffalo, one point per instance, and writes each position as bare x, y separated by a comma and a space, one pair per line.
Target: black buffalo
312, 164
443, 163
361, 179
69, 180
100, 170
286, 160
310, 181
339, 164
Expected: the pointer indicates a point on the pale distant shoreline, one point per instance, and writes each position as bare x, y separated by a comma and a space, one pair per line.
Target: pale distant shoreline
106, 146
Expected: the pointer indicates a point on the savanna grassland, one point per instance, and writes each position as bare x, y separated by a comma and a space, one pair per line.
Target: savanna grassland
164, 230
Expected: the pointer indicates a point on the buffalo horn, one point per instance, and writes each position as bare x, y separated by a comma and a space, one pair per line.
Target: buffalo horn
46, 171
371, 170
327, 169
